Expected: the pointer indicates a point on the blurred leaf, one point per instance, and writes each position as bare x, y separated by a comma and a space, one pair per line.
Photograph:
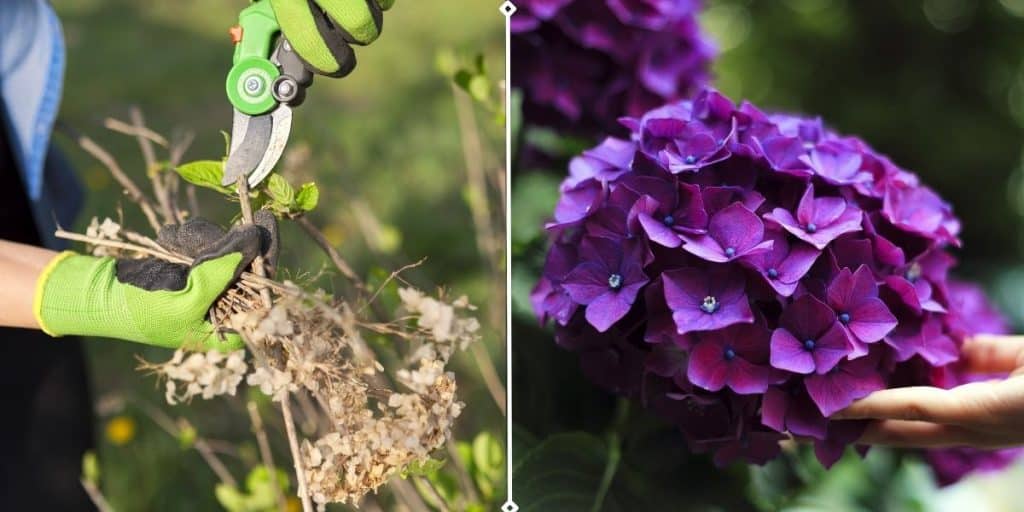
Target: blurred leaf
186, 436
446, 62
534, 196
565, 472
260, 495
462, 79
90, 468
230, 498
479, 88
445, 485
770, 485
308, 197
204, 173
488, 461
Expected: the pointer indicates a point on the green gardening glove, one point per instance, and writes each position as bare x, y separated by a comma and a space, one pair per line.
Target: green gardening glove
153, 301
322, 31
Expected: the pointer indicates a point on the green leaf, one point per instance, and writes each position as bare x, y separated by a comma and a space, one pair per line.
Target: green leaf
280, 191
227, 142
423, 468
90, 468
308, 197
204, 173
566, 472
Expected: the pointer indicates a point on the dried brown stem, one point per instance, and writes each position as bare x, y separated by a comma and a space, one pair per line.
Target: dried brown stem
265, 453
329, 249
119, 126
247, 278
438, 500
130, 188
490, 375
257, 264
486, 237
293, 445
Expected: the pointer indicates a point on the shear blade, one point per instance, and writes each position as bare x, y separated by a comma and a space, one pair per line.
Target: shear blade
256, 145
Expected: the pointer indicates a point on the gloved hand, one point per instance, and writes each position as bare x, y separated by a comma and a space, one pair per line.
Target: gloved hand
153, 301
322, 31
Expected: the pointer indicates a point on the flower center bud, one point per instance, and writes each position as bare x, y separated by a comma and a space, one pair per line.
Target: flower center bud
844, 318
811, 228
914, 272
730, 251
668, 220
808, 345
773, 273
709, 305
690, 159
615, 281
730, 354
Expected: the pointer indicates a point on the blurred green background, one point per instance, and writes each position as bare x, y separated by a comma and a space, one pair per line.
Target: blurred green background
384, 146
936, 84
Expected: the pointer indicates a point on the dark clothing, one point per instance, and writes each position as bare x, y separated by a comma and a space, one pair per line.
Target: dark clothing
47, 423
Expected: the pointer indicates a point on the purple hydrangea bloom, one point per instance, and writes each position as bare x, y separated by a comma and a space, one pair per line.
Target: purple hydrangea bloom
747, 275
581, 64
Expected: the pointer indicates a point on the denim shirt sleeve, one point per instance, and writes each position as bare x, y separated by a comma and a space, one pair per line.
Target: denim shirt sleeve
31, 78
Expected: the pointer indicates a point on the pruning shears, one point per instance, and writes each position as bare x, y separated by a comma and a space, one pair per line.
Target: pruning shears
267, 79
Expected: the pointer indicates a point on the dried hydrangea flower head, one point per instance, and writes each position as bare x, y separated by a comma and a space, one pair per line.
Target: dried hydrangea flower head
748, 275
583, 63
313, 344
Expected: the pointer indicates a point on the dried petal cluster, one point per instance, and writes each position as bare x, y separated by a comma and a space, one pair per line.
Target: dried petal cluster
748, 275
582, 63
370, 429
205, 375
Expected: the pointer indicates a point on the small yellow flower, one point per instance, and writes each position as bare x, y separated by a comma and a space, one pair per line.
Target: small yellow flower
292, 504
121, 430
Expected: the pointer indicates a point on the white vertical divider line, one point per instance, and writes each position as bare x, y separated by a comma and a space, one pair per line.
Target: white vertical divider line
508, 8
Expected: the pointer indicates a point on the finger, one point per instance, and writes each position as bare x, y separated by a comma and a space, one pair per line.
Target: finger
917, 434
917, 403
990, 353
321, 46
361, 19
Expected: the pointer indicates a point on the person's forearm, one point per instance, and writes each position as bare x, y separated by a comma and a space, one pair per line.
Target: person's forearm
20, 266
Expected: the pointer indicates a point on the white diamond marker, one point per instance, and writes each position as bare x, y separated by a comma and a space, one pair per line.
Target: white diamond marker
508, 9
510, 506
